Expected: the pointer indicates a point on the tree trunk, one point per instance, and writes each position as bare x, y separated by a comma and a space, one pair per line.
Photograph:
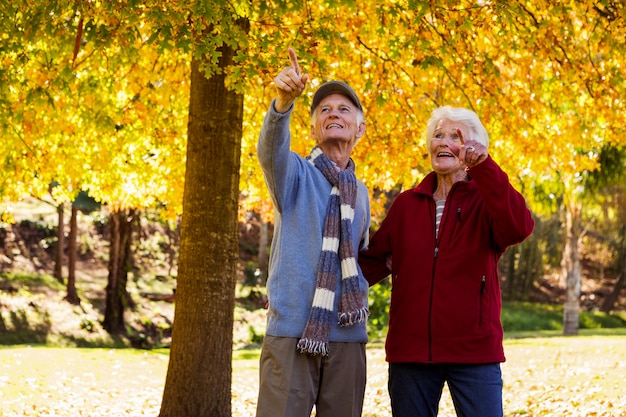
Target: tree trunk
119, 257
572, 271
532, 265
609, 303
173, 244
58, 259
72, 295
507, 263
199, 375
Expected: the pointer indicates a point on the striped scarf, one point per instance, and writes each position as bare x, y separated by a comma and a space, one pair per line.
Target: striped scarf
337, 251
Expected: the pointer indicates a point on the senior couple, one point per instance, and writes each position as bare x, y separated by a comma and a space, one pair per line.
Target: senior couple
440, 242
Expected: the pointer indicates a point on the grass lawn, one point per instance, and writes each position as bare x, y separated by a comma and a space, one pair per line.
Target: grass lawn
543, 376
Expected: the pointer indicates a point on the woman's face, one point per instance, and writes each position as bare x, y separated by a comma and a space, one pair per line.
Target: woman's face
445, 146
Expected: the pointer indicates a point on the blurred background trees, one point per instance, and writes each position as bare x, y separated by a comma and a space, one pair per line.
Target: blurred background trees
95, 99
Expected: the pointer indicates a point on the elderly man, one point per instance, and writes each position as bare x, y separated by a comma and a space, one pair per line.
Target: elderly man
313, 352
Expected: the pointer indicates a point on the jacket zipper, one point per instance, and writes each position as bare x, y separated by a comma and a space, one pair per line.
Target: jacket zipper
435, 255
430, 305
483, 290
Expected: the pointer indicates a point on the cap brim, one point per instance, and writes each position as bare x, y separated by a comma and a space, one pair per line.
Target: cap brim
335, 87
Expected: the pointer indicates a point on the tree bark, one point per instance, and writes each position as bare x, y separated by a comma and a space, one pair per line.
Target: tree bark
119, 257
58, 259
72, 294
199, 374
609, 302
507, 263
532, 266
572, 270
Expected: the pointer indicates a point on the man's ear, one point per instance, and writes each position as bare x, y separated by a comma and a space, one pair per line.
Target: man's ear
360, 131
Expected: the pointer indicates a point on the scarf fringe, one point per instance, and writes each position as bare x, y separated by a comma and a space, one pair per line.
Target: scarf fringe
313, 347
353, 317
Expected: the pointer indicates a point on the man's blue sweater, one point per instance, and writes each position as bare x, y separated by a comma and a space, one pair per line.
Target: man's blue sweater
300, 193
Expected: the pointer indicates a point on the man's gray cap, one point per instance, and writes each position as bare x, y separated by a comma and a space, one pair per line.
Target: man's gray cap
332, 87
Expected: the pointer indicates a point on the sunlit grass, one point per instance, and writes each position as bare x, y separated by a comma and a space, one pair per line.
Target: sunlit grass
543, 376
42, 381
523, 316
27, 282
546, 374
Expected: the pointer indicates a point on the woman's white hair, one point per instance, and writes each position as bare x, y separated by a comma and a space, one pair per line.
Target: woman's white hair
470, 119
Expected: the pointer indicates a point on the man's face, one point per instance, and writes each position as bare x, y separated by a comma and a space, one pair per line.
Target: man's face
336, 119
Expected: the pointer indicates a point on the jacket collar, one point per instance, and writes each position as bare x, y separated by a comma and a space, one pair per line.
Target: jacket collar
429, 183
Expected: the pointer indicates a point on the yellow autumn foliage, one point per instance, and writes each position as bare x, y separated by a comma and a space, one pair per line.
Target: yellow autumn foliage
547, 80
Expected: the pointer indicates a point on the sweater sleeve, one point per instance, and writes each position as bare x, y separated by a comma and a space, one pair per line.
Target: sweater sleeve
273, 152
512, 220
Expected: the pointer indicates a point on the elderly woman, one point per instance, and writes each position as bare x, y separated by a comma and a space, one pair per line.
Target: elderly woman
441, 242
